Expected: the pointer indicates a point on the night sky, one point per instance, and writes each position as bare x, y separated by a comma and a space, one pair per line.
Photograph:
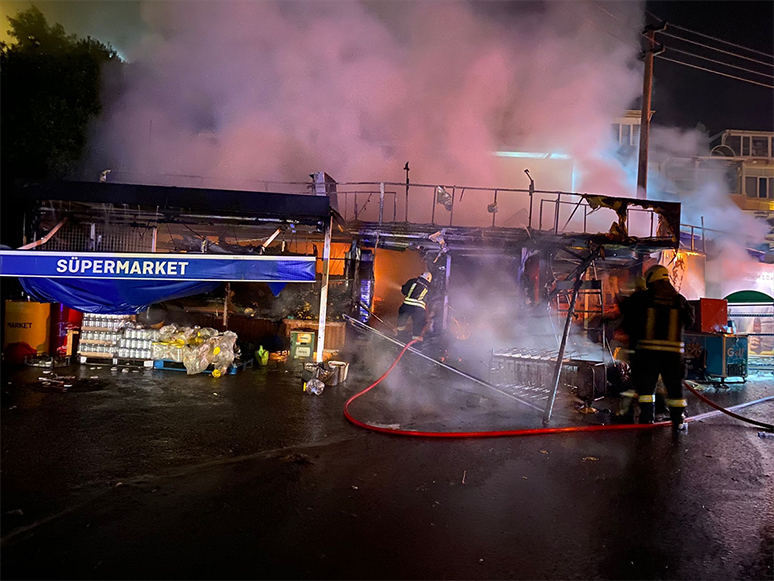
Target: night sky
685, 96
682, 96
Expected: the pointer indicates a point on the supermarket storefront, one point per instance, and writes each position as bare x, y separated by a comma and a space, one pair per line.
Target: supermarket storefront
111, 287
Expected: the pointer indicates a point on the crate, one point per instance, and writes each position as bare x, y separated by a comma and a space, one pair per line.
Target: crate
335, 331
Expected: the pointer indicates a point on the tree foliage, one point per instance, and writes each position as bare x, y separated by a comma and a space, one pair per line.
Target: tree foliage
50, 89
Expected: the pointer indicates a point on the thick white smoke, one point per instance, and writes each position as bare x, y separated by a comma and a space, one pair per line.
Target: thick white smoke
231, 92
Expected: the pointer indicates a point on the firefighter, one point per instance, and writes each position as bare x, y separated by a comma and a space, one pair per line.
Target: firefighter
414, 306
655, 319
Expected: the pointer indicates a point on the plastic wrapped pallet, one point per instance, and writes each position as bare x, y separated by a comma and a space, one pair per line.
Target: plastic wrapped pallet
196, 358
166, 332
159, 351
223, 349
167, 351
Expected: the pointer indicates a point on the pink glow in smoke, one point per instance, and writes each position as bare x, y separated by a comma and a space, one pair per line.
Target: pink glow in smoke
240, 91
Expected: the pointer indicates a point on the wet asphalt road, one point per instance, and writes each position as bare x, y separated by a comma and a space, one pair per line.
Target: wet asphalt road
153, 475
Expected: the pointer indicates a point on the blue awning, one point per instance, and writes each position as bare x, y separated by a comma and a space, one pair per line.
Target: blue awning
114, 297
124, 283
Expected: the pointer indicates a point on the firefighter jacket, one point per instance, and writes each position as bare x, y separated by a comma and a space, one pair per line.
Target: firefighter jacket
416, 291
655, 318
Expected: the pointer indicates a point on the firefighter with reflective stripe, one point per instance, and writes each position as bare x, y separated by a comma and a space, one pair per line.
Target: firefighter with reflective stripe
414, 306
655, 319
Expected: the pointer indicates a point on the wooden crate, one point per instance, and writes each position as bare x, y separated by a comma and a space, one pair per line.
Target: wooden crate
335, 331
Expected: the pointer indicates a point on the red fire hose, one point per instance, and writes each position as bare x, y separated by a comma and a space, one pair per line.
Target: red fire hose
712, 404
522, 432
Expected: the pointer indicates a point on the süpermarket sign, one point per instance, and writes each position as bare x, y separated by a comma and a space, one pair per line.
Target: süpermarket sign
193, 267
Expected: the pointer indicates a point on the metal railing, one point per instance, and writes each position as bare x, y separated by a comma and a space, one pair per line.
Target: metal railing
416, 203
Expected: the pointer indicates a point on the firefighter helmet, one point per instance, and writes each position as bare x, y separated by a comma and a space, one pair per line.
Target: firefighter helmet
655, 273
427, 276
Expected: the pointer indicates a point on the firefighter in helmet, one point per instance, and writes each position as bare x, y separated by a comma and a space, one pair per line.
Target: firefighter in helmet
414, 306
654, 319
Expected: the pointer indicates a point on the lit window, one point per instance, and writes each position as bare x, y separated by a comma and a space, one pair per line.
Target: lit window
760, 147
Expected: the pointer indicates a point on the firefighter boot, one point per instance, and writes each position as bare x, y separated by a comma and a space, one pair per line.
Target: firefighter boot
625, 412
646, 408
678, 420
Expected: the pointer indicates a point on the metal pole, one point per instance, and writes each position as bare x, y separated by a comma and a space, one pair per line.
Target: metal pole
225, 305
560, 356
647, 87
432, 212
324, 292
446, 292
531, 194
154, 239
451, 214
381, 202
406, 167
495, 209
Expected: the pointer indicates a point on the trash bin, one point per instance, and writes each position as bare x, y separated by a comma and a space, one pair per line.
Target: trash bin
27, 330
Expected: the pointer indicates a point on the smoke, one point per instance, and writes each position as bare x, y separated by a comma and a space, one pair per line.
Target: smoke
727, 230
230, 94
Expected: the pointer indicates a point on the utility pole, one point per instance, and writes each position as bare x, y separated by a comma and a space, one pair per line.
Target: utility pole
651, 50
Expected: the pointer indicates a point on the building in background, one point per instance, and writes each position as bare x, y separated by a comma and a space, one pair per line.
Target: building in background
743, 161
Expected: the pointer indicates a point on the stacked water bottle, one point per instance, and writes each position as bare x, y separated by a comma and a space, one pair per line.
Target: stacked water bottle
100, 334
136, 343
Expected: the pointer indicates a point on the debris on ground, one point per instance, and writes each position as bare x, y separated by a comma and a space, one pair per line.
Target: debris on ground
314, 386
65, 383
590, 458
17, 512
297, 458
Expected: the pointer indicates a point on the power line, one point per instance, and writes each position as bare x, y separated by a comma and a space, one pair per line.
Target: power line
767, 55
598, 25
631, 44
719, 62
715, 72
733, 54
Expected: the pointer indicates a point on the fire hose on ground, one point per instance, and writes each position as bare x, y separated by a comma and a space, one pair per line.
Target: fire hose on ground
536, 431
